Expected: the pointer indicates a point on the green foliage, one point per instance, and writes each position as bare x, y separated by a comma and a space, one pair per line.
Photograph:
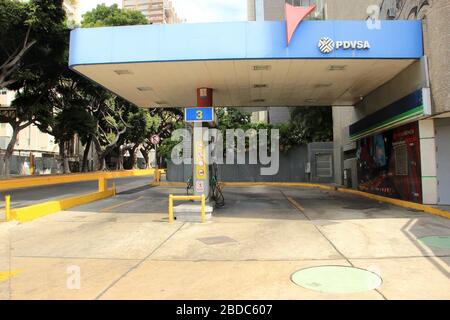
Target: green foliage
166, 146
32, 35
140, 125
307, 124
103, 16
313, 123
232, 118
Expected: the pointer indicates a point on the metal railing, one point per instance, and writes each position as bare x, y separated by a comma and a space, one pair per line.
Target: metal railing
173, 198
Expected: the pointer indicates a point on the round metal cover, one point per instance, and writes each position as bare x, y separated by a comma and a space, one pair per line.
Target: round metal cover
336, 279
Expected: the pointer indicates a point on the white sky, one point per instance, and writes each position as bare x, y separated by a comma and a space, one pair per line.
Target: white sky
192, 10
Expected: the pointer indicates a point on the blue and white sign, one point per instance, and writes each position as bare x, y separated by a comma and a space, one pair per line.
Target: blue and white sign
199, 114
397, 39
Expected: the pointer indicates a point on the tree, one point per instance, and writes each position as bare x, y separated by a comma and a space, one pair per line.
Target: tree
64, 113
23, 26
140, 127
33, 44
103, 16
170, 120
314, 123
108, 111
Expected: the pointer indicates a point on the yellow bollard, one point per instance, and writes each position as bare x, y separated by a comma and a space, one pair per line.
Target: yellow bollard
203, 208
102, 184
171, 208
8, 208
158, 175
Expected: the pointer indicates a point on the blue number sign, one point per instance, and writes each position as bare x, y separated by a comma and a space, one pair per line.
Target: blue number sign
199, 115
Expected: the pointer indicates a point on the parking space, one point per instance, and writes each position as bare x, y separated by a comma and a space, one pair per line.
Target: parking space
125, 248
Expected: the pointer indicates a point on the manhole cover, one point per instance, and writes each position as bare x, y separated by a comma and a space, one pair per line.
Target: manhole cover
442, 242
336, 279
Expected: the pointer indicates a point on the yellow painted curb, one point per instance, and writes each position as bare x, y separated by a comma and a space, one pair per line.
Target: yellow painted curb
43, 209
397, 202
5, 275
37, 181
278, 184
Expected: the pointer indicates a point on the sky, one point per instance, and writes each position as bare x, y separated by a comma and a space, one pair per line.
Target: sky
193, 11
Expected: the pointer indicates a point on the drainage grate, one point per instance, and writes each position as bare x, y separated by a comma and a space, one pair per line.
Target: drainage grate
441, 242
216, 240
336, 279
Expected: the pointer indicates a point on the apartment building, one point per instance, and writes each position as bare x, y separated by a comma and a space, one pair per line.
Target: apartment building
273, 10
156, 11
71, 8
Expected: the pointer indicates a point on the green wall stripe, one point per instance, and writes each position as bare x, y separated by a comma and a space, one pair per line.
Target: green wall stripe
416, 112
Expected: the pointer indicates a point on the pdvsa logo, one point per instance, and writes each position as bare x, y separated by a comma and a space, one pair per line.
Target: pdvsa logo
327, 45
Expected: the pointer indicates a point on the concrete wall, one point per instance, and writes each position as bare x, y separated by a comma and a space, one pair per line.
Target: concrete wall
436, 22
348, 9
292, 168
251, 14
409, 80
279, 115
343, 117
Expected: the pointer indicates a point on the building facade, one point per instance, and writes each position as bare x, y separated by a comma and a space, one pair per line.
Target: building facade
273, 10
410, 157
404, 155
156, 11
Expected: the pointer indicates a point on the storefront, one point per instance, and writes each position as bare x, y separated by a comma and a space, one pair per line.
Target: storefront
389, 150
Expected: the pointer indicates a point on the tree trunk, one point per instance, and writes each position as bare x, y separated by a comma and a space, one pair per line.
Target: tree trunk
66, 160
9, 152
101, 155
87, 148
146, 158
63, 160
122, 150
133, 155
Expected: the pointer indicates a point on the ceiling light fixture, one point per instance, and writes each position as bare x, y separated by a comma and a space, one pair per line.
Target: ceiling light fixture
323, 85
142, 89
264, 67
337, 67
260, 86
122, 72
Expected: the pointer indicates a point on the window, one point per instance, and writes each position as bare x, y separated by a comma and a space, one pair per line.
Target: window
401, 159
324, 165
3, 92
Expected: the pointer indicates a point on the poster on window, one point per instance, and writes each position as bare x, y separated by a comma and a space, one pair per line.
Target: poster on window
389, 163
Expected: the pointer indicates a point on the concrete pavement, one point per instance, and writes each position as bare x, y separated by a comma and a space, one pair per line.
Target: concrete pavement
125, 249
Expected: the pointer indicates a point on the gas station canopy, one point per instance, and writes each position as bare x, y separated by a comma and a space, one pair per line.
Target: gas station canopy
248, 64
